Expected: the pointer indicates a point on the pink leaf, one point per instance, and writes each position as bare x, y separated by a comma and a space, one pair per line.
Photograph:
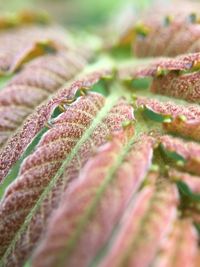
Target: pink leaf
143, 227
84, 220
180, 248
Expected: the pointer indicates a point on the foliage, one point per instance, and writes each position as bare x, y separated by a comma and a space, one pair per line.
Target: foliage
99, 142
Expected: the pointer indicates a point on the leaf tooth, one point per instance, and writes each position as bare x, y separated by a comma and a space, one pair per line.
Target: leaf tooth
174, 250
87, 81
85, 223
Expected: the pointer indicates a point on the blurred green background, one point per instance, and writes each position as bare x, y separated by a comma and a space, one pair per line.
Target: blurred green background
74, 12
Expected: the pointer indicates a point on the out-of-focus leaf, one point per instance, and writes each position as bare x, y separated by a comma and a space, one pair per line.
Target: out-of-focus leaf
174, 250
108, 180
143, 228
55, 163
189, 151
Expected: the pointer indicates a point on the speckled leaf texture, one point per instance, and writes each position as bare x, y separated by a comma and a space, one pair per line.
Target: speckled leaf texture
100, 156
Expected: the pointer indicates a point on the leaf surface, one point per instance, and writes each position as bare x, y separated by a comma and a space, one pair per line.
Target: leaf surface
36, 121
190, 151
174, 251
20, 45
108, 180
182, 86
143, 227
55, 155
164, 40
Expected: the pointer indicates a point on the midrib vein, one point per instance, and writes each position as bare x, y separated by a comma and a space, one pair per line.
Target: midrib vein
109, 103
70, 245
91, 208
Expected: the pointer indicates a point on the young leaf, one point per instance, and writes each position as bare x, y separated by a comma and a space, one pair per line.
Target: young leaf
174, 250
143, 227
61, 153
184, 127
164, 39
21, 45
182, 86
85, 222
189, 151
192, 181
15, 146
159, 66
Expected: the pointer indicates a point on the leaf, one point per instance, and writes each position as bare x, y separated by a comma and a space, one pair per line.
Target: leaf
63, 149
159, 66
174, 251
21, 45
168, 109
172, 156
108, 180
15, 170
185, 190
183, 86
177, 118
99, 153
154, 116
163, 39
184, 127
143, 227
37, 120
192, 182
190, 151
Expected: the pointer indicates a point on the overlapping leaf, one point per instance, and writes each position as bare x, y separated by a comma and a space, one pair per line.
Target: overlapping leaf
143, 228
160, 66
36, 121
38, 79
175, 250
157, 24
104, 186
184, 127
192, 181
168, 108
181, 119
184, 86
163, 38
58, 143
190, 151
85, 221
28, 89
20, 45
169, 77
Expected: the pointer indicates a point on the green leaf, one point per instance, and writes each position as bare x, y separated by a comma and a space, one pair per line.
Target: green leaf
186, 192
154, 116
